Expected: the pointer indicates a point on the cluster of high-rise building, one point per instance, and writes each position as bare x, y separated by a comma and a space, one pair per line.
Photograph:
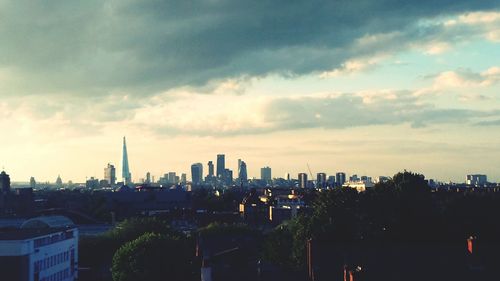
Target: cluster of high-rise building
218, 174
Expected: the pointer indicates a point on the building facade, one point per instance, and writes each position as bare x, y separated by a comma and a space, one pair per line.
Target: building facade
340, 179
321, 180
197, 173
110, 174
242, 174
476, 180
221, 165
43, 249
126, 175
4, 183
265, 174
302, 180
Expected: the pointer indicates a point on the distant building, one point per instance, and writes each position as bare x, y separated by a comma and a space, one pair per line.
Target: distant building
32, 183
210, 165
253, 209
286, 207
148, 178
381, 179
331, 181
239, 167
110, 174
4, 183
103, 183
43, 249
302, 180
242, 175
361, 184
321, 180
92, 183
4, 192
126, 175
340, 179
228, 176
172, 177
183, 178
221, 165
197, 173
59, 182
265, 174
354, 178
476, 180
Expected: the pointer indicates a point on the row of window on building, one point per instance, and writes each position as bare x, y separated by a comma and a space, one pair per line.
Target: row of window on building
58, 276
51, 261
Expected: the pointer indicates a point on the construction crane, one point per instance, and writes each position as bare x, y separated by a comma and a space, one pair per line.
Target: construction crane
310, 173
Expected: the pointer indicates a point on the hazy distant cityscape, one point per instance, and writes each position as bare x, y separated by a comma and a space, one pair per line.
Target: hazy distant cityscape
89, 231
217, 175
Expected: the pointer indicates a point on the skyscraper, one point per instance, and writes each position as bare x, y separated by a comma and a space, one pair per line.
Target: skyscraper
243, 176
127, 177
110, 174
148, 178
210, 165
221, 165
239, 165
321, 180
228, 176
172, 177
339, 179
265, 174
331, 181
196, 173
302, 180
4, 183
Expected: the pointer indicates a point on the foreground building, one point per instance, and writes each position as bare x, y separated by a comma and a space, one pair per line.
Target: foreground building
42, 249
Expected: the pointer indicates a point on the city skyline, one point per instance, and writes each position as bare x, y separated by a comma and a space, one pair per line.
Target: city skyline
359, 87
220, 158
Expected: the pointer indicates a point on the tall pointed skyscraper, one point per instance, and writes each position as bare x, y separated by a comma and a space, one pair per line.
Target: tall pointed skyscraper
127, 177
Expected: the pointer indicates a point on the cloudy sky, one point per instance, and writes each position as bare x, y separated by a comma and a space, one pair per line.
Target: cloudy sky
366, 87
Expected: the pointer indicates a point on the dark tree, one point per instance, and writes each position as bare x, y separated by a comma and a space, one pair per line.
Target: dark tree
153, 257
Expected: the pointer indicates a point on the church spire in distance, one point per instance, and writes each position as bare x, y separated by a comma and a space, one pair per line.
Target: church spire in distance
127, 177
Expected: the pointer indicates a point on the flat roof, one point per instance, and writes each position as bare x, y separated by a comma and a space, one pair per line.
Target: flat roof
24, 234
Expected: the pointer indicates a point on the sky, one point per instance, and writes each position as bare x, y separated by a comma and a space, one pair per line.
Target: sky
363, 87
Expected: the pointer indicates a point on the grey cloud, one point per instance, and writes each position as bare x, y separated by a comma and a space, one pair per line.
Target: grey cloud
350, 111
345, 111
96, 47
489, 123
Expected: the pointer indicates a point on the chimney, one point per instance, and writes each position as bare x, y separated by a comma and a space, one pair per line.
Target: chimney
352, 273
470, 244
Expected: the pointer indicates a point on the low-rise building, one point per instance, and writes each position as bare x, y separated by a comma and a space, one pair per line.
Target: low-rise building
42, 249
286, 207
360, 185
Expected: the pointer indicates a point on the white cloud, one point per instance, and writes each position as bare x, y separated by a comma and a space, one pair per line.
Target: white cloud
353, 67
436, 48
461, 80
470, 25
477, 18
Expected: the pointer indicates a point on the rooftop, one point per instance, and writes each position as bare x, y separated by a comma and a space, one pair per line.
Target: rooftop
23, 234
